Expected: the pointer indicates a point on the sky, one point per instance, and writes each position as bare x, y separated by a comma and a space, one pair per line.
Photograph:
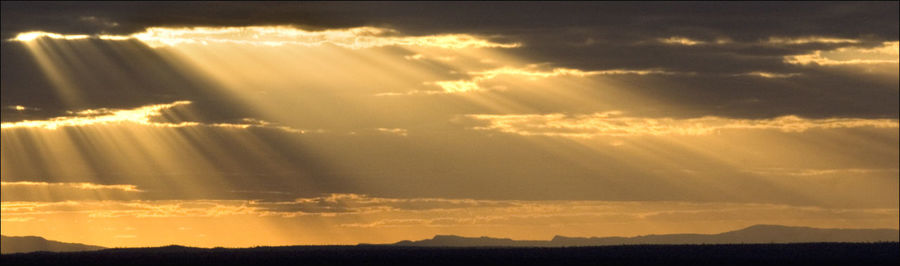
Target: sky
292, 123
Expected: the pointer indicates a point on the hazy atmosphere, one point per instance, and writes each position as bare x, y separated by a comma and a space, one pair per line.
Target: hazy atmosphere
241, 124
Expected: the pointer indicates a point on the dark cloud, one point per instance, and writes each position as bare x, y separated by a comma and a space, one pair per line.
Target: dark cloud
589, 36
745, 21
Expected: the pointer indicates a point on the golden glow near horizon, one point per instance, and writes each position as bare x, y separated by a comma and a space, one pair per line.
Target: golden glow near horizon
466, 119
353, 218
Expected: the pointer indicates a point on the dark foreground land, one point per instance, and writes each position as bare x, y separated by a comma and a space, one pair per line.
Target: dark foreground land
737, 254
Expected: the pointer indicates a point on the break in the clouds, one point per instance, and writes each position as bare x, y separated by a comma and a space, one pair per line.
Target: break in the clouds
323, 123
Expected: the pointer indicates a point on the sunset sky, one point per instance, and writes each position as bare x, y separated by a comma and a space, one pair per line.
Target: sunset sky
245, 124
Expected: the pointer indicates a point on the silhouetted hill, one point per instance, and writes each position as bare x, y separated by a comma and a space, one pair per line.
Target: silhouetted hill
817, 254
19, 244
752, 234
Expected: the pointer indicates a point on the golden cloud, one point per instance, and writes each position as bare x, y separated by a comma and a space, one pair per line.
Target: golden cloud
353, 38
142, 116
887, 53
71, 185
810, 39
680, 41
769, 75
426, 211
395, 131
59, 191
613, 124
32, 35
478, 77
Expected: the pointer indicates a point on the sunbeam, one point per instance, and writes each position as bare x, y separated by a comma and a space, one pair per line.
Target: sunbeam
240, 133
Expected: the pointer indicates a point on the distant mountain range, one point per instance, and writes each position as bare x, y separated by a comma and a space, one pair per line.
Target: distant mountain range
752, 234
20, 244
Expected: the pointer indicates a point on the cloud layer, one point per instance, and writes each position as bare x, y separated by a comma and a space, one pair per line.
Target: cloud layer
375, 122
148, 116
615, 125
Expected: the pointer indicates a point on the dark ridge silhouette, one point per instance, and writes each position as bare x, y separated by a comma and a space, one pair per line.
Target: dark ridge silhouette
720, 254
752, 234
21, 244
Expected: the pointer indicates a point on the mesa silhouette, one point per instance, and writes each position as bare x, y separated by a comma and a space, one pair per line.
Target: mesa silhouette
752, 234
775, 245
19, 244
